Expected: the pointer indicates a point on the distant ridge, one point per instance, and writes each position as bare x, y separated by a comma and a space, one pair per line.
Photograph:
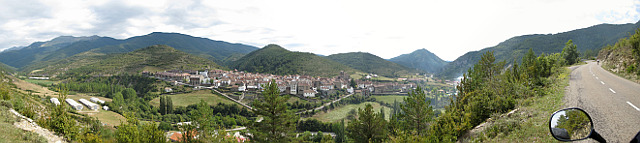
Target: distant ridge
152, 58
421, 59
370, 63
66, 46
274, 59
590, 38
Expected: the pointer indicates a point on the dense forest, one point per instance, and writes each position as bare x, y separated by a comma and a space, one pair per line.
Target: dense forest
274, 59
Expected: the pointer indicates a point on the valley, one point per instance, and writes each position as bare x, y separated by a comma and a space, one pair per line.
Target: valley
171, 84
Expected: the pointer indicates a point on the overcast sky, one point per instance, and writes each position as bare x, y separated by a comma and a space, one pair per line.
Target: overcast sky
448, 28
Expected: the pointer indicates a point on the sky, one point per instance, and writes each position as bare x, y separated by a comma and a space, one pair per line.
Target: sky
448, 28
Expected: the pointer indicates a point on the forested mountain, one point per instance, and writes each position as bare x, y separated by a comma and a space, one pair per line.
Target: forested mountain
59, 49
152, 58
371, 64
274, 59
19, 57
421, 59
591, 38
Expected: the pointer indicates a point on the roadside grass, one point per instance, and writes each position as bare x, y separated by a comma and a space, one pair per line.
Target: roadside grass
341, 112
531, 122
11, 133
193, 98
389, 99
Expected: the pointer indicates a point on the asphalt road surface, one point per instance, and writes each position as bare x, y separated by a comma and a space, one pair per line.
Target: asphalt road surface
612, 102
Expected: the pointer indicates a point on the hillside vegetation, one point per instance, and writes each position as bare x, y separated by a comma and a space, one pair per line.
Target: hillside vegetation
371, 63
592, 38
623, 58
274, 59
421, 59
152, 58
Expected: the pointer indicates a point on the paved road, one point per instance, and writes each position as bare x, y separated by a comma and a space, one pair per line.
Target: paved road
612, 102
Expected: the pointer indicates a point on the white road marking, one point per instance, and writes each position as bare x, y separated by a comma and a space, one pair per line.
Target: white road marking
612, 90
597, 77
602, 82
633, 106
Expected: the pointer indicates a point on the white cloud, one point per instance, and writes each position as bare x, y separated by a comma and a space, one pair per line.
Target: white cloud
385, 28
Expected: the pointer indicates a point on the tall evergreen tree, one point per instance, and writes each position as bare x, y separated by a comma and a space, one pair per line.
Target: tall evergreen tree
168, 105
163, 107
417, 111
570, 53
278, 122
368, 127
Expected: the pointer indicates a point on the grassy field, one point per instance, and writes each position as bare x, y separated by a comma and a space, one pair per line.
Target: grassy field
45, 82
341, 112
193, 98
109, 118
389, 99
530, 123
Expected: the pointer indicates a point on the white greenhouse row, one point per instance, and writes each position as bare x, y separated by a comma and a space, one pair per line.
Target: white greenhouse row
91, 105
74, 104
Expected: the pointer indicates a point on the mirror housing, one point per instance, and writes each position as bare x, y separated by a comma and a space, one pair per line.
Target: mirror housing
571, 124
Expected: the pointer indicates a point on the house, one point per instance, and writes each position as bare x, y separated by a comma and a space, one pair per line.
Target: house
167, 89
177, 137
309, 93
106, 108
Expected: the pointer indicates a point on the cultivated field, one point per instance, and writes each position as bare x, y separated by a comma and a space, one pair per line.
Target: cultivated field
193, 98
389, 99
341, 112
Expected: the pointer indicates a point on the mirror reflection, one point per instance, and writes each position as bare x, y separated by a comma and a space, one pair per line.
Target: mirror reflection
571, 124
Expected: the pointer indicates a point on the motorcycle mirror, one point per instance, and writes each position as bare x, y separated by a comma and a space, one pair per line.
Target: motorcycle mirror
571, 124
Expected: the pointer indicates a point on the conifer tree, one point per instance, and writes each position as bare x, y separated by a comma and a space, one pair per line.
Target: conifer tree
368, 127
417, 111
278, 122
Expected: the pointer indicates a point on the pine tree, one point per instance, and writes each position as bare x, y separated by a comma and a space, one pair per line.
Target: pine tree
368, 127
417, 111
278, 122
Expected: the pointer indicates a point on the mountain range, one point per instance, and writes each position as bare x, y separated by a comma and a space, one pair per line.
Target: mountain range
591, 38
66, 46
66, 52
370, 63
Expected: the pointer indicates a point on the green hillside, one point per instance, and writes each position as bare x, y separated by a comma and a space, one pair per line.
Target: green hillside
61, 48
38, 50
152, 58
371, 64
592, 38
623, 57
421, 59
274, 59
6, 68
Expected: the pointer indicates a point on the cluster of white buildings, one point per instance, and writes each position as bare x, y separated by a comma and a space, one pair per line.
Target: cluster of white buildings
75, 105
240, 81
